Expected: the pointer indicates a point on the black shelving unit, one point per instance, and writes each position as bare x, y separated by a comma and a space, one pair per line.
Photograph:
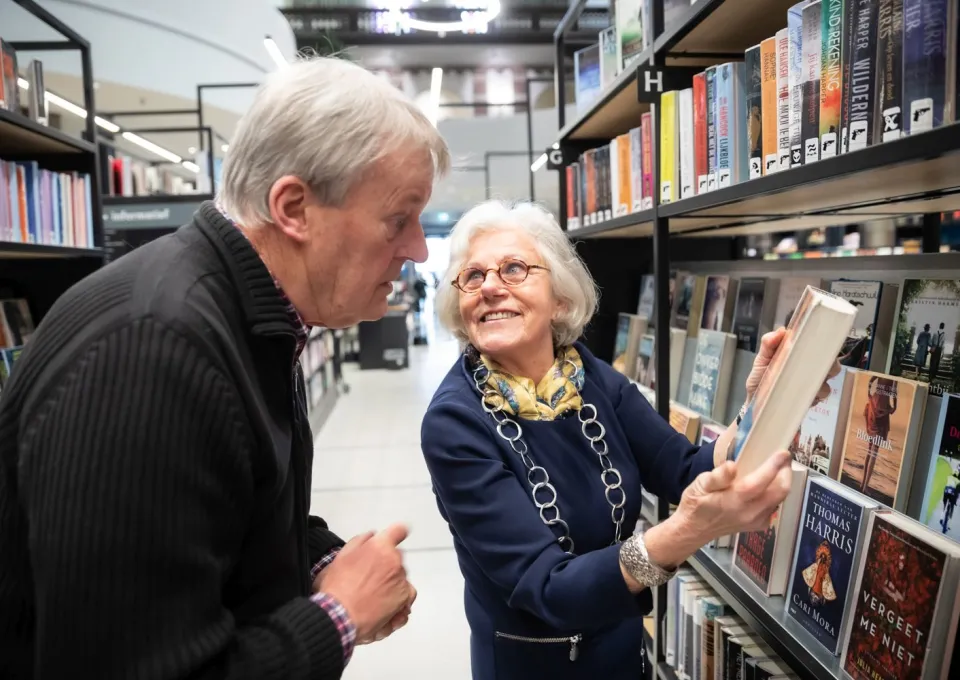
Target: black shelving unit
914, 175
40, 272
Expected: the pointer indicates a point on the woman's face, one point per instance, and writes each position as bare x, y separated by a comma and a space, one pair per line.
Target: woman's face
507, 322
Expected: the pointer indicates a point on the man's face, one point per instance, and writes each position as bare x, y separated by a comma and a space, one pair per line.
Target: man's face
357, 250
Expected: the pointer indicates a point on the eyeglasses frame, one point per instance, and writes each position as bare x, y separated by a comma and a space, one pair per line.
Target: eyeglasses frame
455, 283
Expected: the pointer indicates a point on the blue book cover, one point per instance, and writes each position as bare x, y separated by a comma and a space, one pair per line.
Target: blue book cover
733, 161
824, 562
924, 64
711, 373
723, 84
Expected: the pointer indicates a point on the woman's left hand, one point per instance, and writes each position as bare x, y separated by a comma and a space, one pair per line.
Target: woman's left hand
769, 344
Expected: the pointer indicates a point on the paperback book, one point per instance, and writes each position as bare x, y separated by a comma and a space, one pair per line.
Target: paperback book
942, 485
810, 123
712, 369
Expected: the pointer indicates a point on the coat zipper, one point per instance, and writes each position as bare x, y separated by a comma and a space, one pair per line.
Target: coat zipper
574, 641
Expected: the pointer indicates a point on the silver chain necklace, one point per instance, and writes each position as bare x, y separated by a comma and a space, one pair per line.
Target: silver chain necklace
537, 477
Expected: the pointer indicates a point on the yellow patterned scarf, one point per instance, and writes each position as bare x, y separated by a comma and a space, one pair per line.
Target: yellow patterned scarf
557, 393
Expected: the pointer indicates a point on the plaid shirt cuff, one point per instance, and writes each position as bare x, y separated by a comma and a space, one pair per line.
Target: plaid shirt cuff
323, 563
346, 628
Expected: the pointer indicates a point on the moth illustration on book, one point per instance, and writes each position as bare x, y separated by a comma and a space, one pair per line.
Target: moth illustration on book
928, 334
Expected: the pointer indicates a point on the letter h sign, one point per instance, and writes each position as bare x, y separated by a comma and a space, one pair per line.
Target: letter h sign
652, 81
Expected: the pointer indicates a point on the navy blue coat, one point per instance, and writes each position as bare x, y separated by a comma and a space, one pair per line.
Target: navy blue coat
518, 581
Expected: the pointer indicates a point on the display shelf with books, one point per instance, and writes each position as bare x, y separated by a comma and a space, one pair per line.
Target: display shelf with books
21, 135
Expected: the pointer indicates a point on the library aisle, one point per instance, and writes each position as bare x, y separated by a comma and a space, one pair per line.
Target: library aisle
368, 472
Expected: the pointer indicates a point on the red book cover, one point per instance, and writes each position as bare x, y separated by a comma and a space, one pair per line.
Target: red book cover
700, 168
590, 202
571, 209
894, 605
646, 126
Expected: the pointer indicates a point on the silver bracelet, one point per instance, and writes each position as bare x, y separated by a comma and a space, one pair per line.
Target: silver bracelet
633, 556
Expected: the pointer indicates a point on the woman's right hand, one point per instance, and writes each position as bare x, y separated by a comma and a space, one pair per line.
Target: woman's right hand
719, 503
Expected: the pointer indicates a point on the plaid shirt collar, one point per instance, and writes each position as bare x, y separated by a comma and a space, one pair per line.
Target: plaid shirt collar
300, 328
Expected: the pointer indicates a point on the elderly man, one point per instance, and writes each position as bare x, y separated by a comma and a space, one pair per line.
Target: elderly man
155, 456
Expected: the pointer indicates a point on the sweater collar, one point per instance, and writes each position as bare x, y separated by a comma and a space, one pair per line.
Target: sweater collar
264, 305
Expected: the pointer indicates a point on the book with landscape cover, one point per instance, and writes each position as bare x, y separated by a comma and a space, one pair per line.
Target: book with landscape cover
810, 123
942, 482
904, 607
765, 556
883, 429
832, 525
631, 16
819, 441
712, 369
868, 342
926, 346
795, 375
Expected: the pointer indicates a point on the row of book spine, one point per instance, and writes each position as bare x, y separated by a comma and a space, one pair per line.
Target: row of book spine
842, 76
44, 207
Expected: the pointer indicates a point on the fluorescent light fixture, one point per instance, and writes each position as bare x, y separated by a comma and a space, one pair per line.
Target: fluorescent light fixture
191, 166
436, 78
56, 100
539, 163
150, 146
274, 51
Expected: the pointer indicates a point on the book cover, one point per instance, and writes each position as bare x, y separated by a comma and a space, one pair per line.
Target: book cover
686, 290
732, 161
711, 609
625, 198
636, 169
630, 17
712, 366
863, 88
669, 141
748, 316
827, 548
889, 120
711, 80
646, 126
715, 303
925, 346
924, 64
770, 106
609, 64
621, 343
700, 131
795, 80
754, 110
648, 299
646, 373
831, 76
865, 296
943, 478
849, 19
573, 209
685, 421
783, 99
791, 291
882, 428
819, 441
587, 84
688, 180
753, 554
895, 599
810, 124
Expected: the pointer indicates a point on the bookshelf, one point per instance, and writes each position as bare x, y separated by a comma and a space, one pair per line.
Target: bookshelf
703, 233
45, 263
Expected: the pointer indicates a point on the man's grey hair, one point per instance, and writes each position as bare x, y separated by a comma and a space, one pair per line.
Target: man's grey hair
326, 121
572, 283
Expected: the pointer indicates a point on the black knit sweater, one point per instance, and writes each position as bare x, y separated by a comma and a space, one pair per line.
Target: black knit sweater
155, 468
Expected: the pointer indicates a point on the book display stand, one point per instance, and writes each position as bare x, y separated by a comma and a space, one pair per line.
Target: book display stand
707, 232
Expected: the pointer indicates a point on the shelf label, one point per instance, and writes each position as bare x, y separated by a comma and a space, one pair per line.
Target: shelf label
921, 115
784, 159
756, 167
712, 181
652, 81
770, 164
666, 191
702, 184
149, 215
724, 177
891, 124
796, 156
811, 150
828, 145
858, 135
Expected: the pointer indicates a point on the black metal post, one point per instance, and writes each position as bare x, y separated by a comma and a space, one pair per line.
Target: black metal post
213, 86
931, 233
90, 132
533, 191
158, 112
42, 45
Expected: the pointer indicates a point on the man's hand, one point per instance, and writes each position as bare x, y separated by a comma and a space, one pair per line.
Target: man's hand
368, 579
398, 621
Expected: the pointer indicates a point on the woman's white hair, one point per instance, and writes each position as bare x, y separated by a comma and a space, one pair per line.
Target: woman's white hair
325, 121
572, 283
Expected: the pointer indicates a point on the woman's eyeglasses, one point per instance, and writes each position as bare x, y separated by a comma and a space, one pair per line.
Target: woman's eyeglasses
511, 272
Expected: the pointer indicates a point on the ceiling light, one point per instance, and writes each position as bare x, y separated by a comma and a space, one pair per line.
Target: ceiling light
539, 163
191, 166
274, 51
192, 150
469, 20
150, 146
225, 148
436, 78
69, 106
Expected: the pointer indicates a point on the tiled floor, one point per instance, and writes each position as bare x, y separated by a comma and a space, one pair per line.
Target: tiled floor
368, 473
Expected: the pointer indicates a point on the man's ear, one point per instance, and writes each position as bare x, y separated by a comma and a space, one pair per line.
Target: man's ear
289, 200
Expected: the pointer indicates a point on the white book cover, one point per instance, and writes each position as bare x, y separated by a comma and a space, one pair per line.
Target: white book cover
687, 172
636, 168
783, 98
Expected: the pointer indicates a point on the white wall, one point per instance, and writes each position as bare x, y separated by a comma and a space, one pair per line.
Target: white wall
469, 139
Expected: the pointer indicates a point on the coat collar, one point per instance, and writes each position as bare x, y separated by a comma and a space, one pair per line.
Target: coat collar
263, 305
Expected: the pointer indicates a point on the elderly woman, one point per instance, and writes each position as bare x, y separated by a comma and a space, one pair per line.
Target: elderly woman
538, 452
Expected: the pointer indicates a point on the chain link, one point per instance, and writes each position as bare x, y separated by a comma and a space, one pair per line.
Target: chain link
539, 479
